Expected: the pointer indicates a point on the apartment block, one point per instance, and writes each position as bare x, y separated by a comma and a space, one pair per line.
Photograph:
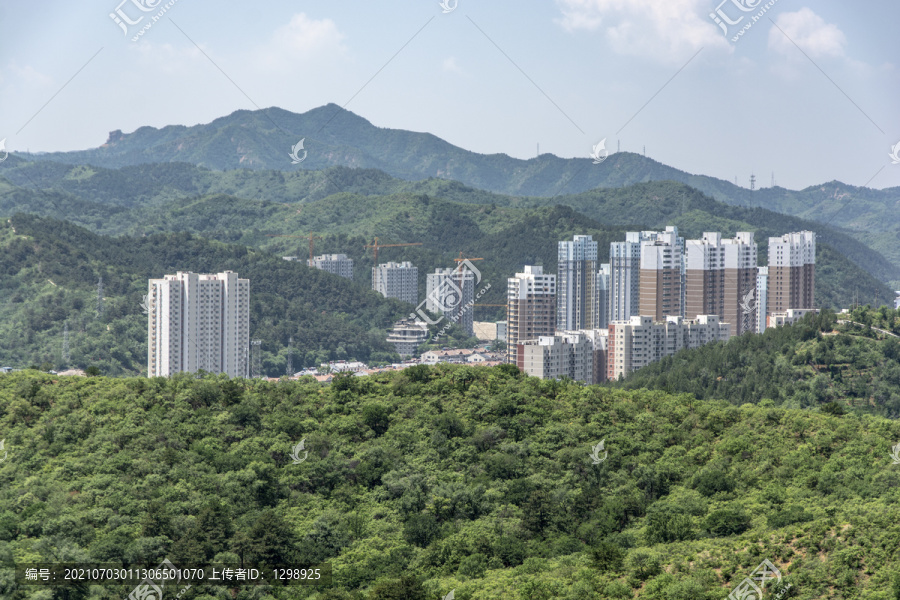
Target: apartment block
762, 298
624, 277
198, 321
552, 357
661, 286
599, 339
577, 273
530, 307
792, 271
640, 341
397, 280
721, 279
338, 264
407, 335
789, 317
602, 296
451, 292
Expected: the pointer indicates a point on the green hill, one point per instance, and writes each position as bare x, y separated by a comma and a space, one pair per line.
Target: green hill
467, 479
49, 272
818, 362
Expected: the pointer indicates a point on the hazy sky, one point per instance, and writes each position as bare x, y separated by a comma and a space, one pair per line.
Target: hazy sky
810, 91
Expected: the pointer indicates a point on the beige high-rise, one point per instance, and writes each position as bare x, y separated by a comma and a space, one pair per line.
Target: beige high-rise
661, 268
531, 308
720, 279
792, 272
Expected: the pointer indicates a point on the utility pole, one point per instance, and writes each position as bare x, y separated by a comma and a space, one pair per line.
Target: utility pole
255, 359
65, 347
100, 298
290, 357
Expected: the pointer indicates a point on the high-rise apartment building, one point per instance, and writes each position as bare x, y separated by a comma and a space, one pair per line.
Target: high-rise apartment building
338, 264
625, 277
576, 284
451, 292
602, 296
661, 286
198, 322
792, 271
762, 298
721, 279
530, 307
397, 280
640, 341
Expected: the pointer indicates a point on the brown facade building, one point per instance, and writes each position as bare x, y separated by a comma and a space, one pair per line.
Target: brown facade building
792, 272
661, 287
531, 309
720, 279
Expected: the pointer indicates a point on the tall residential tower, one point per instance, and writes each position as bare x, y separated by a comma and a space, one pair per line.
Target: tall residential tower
531, 308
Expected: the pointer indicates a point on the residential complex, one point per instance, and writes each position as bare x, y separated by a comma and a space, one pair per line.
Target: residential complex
397, 280
624, 277
792, 271
661, 289
451, 292
721, 279
641, 340
196, 322
555, 356
531, 307
338, 264
577, 271
407, 335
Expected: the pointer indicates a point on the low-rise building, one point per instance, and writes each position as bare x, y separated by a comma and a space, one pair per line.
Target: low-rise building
789, 317
555, 356
458, 356
407, 335
640, 341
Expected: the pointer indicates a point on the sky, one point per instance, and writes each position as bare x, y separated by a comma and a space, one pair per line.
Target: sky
805, 92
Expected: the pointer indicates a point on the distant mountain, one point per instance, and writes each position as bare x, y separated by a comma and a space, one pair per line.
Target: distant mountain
334, 136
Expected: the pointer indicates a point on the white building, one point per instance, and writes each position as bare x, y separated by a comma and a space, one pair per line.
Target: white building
337, 264
640, 341
407, 335
576, 283
198, 322
530, 307
762, 298
554, 356
790, 316
397, 280
451, 292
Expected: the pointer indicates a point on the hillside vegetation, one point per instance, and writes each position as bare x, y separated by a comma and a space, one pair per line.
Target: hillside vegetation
817, 363
472, 479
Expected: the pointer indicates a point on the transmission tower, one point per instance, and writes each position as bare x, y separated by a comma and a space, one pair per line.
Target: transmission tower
65, 347
100, 298
255, 358
752, 182
290, 357
773, 178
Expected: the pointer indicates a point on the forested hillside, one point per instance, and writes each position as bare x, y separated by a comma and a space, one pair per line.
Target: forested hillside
474, 480
838, 367
49, 274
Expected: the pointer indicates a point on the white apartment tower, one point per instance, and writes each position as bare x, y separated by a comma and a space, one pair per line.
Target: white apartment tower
397, 280
198, 321
576, 284
337, 264
451, 292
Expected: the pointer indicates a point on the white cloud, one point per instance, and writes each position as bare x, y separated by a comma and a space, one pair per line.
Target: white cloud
810, 32
450, 65
26, 74
668, 30
303, 39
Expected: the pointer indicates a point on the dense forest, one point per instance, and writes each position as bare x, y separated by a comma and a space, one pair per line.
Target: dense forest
474, 480
851, 365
